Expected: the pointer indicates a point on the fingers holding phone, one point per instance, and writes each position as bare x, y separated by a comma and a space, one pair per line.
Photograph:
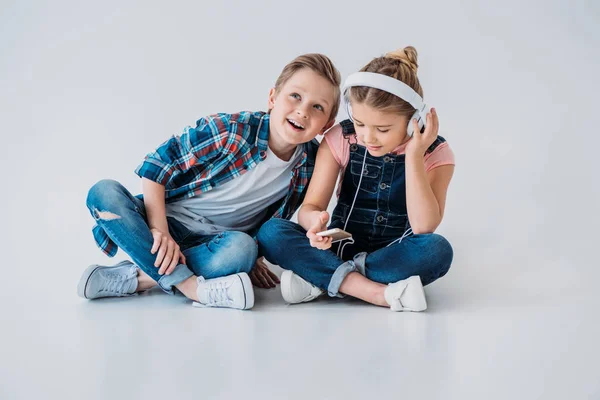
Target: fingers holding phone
319, 225
335, 234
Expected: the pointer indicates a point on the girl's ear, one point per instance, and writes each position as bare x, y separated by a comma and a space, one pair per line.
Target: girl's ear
272, 96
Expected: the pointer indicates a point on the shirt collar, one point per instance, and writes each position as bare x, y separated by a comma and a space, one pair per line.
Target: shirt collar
263, 134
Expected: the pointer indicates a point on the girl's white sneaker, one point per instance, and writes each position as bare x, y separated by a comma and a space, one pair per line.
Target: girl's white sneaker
406, 295
294, 289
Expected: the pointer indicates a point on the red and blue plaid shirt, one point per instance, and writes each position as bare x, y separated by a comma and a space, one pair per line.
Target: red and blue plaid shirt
221, 147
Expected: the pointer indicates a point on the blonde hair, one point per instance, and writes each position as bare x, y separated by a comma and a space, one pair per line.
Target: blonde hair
400, 64
323, 66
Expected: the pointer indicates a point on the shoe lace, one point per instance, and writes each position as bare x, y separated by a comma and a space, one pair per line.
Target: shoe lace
218, 294
116, 282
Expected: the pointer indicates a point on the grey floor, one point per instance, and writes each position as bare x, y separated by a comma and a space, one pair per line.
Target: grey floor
533, 339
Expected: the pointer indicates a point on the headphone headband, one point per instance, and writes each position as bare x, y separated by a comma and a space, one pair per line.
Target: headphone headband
387, 84
393, 86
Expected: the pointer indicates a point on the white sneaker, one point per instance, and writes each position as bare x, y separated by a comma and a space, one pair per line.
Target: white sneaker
406, 295
294, 289
233, 291
100, 281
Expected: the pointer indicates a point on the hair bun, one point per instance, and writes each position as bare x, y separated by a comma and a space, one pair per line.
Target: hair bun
407, 56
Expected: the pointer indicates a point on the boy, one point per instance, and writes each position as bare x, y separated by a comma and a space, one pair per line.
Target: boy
206, 192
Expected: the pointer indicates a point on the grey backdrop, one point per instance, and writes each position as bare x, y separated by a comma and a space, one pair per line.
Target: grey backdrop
87, 89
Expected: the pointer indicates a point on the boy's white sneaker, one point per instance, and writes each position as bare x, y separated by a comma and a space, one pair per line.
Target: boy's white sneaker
294, 289
99, 281
233, 291
406, 295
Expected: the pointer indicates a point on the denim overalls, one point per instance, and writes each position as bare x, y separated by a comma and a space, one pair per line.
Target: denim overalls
379, 217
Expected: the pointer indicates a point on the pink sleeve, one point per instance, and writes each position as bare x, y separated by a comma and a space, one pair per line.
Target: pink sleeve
442, 155
339, 145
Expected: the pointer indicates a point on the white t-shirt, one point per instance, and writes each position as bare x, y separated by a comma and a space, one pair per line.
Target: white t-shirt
239, 204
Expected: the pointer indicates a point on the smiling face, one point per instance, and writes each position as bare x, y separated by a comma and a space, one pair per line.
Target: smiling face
301, 109
380, 131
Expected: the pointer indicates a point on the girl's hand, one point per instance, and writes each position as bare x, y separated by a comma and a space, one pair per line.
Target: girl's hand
169, 254
420, 142
319, 225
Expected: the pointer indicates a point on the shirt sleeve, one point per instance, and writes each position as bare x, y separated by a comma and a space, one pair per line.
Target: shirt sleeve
338, 145
195, 148
442, 155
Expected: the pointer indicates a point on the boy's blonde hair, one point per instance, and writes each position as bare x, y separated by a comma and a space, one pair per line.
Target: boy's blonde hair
400, 64
322, 65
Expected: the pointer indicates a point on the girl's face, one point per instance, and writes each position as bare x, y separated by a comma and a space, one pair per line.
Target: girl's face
380, 131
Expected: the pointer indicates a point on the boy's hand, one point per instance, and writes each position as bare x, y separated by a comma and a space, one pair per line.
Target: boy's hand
420, 142
261, 276
169, 254
319, 225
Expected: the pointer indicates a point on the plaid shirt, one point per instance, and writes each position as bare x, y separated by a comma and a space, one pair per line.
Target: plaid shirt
221, 147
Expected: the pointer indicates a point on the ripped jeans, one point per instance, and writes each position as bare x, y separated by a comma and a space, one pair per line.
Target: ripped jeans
123, 218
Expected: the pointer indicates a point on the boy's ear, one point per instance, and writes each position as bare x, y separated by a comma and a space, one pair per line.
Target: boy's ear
326, 127
272, 95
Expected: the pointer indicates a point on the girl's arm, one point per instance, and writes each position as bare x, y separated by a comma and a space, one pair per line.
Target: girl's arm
426, 194
312, 215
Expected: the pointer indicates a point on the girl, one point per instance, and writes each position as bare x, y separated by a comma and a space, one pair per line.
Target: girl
391, 198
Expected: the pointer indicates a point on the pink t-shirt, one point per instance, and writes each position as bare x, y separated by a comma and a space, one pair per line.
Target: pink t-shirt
442, 155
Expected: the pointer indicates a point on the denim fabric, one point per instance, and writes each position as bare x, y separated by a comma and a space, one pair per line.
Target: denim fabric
284, 243
379, 217
126, 224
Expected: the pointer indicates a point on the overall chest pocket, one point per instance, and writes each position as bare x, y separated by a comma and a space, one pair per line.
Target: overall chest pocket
371, 176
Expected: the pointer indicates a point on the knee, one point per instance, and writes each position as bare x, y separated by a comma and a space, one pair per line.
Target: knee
103, 195
272, 230
444, 249
244, 251
441, 253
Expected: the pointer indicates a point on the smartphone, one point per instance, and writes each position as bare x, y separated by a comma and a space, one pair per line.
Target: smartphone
336, 234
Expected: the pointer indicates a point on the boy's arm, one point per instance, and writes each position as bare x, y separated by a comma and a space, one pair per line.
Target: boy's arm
169, 165
167, 251
154, 201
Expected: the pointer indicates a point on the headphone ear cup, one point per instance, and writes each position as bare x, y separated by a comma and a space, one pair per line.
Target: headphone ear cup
348, 106
423, 117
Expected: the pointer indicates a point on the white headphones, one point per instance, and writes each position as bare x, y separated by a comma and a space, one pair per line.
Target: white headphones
390, 85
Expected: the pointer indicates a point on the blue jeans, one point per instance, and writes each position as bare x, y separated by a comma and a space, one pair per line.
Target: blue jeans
285, 243
209, 256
